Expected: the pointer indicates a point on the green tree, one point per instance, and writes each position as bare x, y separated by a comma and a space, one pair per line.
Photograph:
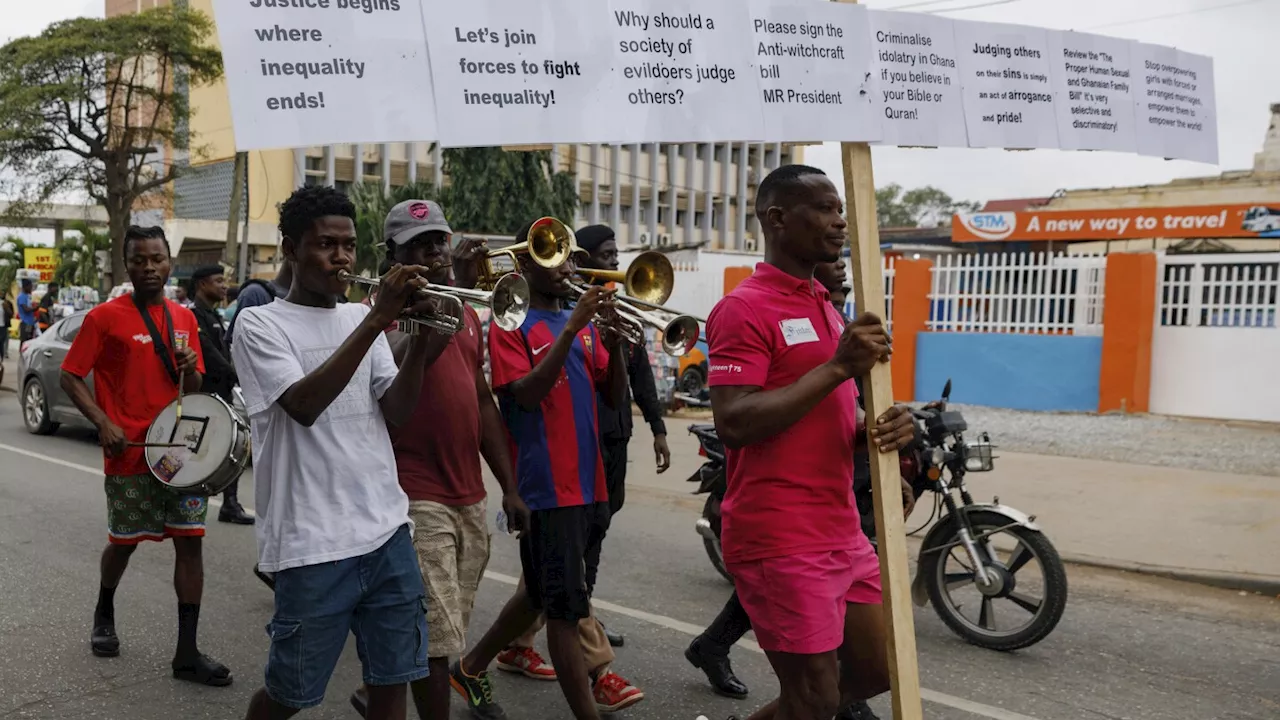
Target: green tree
78, 262
11, 259
98, 107
496, 191
372, 205
922, 207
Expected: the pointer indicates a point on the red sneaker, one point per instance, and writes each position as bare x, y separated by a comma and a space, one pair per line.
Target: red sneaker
613, 693
527, 662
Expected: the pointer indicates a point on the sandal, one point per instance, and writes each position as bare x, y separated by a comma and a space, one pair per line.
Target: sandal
204, 670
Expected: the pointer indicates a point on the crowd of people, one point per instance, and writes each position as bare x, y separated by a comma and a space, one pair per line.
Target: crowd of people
367, 441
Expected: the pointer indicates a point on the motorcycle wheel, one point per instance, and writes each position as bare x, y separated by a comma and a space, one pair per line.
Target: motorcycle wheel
713, 546
985, 631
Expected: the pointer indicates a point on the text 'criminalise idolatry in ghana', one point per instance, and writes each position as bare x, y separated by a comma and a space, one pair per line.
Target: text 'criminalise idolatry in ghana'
910, 73
784, 48
307, 69
672, 38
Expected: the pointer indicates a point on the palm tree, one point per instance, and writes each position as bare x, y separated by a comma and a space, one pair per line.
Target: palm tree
11, 259
78, 260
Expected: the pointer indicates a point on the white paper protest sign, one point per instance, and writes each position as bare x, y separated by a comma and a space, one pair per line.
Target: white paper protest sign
1174, 104
1093, 80
1004, 80
916, 80
814, 68
683, 71
327, 71
509, 72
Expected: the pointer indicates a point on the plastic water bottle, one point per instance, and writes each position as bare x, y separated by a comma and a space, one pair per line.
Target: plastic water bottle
501, 522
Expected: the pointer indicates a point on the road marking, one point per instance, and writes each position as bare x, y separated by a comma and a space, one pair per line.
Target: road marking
959, 703
214, 502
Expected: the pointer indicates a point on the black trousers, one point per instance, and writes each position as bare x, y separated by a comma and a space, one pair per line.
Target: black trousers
614, 454
728, 628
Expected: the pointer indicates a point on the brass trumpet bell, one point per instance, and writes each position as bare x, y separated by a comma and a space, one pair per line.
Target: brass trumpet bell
650, 277
550, 243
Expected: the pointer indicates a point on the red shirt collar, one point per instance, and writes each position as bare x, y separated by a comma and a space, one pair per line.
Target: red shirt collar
771, 277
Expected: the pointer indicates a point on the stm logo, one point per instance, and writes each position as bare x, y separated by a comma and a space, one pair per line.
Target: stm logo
990, 226
725, 368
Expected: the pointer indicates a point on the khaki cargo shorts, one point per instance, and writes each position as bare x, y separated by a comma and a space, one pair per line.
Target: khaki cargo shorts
453, 551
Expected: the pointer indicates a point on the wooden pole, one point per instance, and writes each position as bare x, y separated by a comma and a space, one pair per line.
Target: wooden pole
231, 253
895, 575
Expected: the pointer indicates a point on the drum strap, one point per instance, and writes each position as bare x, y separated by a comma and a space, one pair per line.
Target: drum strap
157, 340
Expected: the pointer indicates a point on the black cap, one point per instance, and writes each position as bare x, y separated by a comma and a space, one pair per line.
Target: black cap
593, 236
206, 271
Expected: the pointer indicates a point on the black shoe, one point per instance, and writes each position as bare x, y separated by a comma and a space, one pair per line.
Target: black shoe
103, 641
233, 512
615, 639
857, 711
267, 579
718, 670
477, 691
360, 702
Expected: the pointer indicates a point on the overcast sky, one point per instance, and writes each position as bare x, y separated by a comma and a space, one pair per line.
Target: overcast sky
1241, 36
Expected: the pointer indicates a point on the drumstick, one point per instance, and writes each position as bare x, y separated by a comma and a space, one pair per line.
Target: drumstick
179, 344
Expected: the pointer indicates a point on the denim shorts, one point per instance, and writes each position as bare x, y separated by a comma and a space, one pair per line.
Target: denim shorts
379, 597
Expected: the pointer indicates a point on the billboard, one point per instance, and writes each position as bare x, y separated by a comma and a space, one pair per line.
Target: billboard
41, 259
1194, 221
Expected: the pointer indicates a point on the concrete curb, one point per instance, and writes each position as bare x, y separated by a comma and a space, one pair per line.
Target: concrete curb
1268, 585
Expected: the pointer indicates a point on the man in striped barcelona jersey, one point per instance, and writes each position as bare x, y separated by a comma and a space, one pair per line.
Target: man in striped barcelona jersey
546, 375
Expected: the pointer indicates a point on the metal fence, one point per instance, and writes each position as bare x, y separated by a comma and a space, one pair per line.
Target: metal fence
1236, 290
887, 273
1036, 293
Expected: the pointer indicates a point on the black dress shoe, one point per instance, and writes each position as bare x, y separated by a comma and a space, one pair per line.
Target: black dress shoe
857, 711
232, 512
615, 639
718, 670
103, 641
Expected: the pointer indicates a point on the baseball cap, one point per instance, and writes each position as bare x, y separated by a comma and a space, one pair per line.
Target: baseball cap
411, 218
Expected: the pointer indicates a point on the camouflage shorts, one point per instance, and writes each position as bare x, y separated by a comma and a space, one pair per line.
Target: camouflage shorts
140, 507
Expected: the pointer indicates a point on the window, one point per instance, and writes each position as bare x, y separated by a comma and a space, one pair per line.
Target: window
315, 163
343, 187
313, 180
697, 218
70, 327
680, 216
371, 168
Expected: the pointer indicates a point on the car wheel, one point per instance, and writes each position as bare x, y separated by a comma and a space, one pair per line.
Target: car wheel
692, 381
35, 409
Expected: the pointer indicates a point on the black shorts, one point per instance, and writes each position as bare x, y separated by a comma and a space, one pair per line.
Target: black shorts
553, 555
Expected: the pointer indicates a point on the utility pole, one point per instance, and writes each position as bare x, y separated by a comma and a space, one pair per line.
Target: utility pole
231, 254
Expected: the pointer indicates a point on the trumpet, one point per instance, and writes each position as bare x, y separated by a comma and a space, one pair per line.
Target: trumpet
630, 330
509, 299
679, 332
447, 321
549, 242
650, 277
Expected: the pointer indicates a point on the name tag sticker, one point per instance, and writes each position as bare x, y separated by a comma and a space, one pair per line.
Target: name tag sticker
798, 331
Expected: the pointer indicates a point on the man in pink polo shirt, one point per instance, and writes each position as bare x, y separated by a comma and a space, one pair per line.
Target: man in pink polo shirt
782, 365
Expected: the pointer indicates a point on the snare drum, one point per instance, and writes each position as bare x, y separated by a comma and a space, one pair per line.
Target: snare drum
214, 448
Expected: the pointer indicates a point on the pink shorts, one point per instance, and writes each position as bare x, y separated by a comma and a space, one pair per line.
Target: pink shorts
797, 602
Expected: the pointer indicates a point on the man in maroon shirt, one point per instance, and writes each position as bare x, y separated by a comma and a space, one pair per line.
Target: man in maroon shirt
438, 457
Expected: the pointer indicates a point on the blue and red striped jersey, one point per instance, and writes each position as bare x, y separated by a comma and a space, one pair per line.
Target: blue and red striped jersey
568, 471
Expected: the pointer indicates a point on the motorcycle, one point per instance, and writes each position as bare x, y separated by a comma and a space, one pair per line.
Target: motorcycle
991, 544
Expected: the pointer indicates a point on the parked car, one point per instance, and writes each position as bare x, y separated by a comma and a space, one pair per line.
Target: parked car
45, 406
692, 373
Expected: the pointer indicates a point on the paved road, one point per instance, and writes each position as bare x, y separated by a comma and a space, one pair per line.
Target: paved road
1129, 647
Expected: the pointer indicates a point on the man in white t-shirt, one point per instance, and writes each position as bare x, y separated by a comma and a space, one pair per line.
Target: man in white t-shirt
320, 385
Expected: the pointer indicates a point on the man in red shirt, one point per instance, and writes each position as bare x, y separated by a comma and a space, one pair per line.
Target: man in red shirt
439, 462
130, 344
782, 364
